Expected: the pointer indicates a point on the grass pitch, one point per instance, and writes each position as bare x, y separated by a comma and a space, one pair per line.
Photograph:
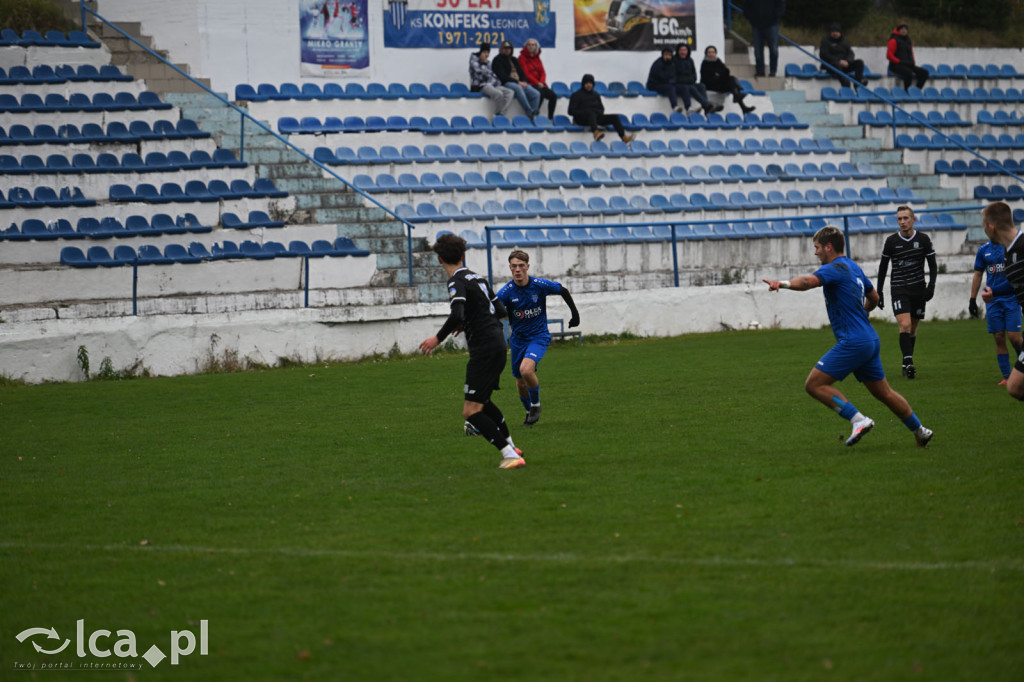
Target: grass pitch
687, 513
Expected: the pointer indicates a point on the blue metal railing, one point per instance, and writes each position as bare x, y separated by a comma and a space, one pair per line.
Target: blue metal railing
243, 115
675, 225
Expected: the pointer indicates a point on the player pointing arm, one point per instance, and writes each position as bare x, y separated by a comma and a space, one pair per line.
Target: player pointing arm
849, 296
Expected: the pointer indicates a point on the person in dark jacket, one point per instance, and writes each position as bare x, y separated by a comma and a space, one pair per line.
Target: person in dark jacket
715, 76
836, 51
686, 74
587, 110
764, 17
900, 53
662, 80
510, 72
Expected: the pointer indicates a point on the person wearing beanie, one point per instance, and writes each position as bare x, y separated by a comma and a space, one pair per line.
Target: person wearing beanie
662, 79
686, 75
900, 53
533, 71
483, 80
837, 53
510, 72
587, 110
715, 76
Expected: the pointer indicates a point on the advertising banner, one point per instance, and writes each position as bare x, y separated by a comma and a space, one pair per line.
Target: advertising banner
467, 23
638, 25
334, 38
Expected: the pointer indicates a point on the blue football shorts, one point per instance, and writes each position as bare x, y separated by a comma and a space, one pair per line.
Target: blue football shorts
533, 349
1003, 315
861, 358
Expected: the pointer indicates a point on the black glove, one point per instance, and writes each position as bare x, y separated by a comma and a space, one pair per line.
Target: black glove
574, 321
972, 307
881, 300
930, 293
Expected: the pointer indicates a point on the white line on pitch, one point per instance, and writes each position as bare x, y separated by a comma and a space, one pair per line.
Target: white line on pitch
560, 557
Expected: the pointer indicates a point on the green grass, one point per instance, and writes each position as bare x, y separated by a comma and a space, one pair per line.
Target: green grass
687, 513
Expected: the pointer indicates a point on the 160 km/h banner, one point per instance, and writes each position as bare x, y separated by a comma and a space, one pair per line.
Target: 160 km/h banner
640, 25
467, 23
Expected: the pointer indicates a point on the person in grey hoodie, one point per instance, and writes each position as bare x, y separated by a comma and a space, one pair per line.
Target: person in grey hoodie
482, 79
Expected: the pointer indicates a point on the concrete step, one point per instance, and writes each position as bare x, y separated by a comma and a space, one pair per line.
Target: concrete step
791, 97
838, 132
886, 156
865, 148
938, 194
917, 181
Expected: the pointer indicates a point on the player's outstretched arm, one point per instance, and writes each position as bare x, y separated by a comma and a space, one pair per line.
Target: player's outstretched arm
798, 284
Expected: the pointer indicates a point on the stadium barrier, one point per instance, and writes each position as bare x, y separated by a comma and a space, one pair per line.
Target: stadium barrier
692, 227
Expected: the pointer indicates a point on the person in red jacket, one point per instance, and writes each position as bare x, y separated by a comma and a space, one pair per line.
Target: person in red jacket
533, 72
900, 53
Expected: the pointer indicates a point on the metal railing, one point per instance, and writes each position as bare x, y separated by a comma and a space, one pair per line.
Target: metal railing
675, 225
243, 116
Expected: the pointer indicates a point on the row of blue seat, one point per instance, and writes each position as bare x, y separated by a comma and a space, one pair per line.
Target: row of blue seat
134, 226
556, 236
1000, 118
536, 151
959, 167
62, 73
937, 119
104, 228
106, 162
77, 102
605, 177
657, 203
928, 94
31, 38
115, 132
20, 197
372, 91
196, 252
999, 193
437, 125
197, 190
964, 71
938, 141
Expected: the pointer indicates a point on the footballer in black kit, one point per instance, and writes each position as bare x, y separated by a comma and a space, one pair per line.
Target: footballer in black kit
475, 310
908, 250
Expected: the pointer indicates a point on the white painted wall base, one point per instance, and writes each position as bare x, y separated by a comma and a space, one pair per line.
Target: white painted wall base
46, 350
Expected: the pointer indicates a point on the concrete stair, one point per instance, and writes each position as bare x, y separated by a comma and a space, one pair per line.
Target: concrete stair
321, 200
924, 183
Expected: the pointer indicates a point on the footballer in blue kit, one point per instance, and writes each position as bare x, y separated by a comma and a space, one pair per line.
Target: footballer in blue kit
525, 299
849, 297
1002, 314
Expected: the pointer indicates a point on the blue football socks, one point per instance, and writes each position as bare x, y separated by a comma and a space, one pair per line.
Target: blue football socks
534, 396
846, 410
912, 422
1004, 364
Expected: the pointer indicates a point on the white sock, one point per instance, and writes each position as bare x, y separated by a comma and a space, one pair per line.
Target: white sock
857, 418
508, 452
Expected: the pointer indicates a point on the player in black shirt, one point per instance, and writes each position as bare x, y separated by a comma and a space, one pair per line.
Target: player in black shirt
997, 219
476, 311
908, 250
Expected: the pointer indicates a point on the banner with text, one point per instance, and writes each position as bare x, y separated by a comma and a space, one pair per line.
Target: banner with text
638, 25
335, 41
467, 23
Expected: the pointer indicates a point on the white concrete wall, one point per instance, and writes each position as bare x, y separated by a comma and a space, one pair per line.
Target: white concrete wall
257, 41
46, 350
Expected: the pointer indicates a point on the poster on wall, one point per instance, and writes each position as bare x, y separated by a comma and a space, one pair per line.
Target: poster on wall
639, 25
467, 23
335, 41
